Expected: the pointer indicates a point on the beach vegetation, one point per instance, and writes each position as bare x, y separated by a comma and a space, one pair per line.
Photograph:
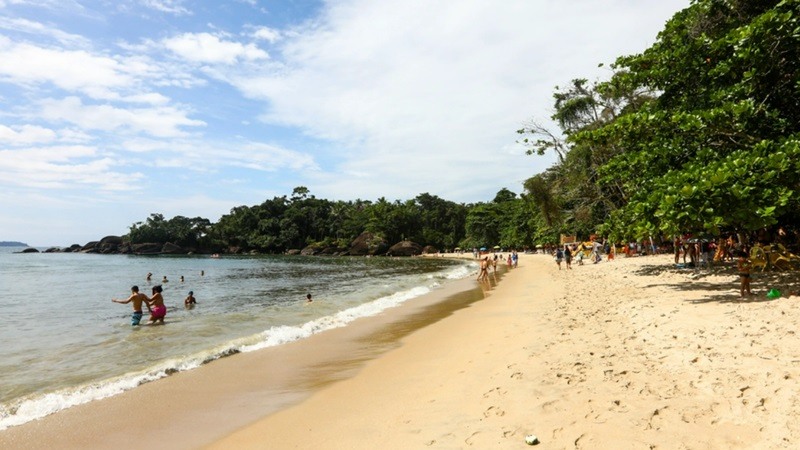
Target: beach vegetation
698, 133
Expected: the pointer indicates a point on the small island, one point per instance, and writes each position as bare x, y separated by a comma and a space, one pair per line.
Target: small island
13, 244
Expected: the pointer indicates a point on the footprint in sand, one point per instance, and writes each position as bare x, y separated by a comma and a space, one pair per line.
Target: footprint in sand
493, 411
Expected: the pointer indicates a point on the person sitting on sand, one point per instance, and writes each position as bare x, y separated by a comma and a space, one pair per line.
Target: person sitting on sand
158, 311
190, 300
744, 265
137, 299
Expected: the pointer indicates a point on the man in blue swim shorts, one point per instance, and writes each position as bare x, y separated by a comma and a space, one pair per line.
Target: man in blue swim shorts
137, 300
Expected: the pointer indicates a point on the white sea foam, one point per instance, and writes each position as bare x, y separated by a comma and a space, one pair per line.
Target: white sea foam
284, 334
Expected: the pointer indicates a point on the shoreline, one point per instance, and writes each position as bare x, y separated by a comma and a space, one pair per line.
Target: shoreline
625, 354
216, 398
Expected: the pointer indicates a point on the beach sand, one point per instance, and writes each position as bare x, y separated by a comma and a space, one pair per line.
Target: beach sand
625, 354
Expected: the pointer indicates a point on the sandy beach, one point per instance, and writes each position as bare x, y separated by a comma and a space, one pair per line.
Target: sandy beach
625, 354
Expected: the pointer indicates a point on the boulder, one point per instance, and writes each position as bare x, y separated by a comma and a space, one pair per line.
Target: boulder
405, 248
115, 240
148, 248
368, 244
171, 249
293, 251
30, 250
311, 250
73, 248
53, 250
429, 250
89, 246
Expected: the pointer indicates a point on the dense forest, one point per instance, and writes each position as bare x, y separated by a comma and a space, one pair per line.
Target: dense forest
699, 133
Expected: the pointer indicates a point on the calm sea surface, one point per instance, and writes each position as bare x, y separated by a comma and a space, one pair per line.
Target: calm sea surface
65, 343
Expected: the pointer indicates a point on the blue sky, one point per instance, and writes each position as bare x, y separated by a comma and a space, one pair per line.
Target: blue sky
111, 110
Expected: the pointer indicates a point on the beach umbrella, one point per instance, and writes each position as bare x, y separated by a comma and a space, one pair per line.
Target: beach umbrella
483, 249
497, 247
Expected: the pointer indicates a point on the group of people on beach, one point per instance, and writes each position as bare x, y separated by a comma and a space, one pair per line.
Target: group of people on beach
485, 263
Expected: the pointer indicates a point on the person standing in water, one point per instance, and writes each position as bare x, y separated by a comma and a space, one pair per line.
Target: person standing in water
137, 299
190, 301
158, 311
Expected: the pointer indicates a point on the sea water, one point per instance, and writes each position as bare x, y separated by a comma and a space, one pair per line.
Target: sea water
65, 343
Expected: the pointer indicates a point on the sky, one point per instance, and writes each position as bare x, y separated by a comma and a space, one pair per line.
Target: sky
112, 110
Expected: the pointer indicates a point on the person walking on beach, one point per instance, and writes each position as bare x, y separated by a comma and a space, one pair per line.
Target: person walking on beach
137, 299
484, 272
568, 256
744, 265
559, 256
158, 311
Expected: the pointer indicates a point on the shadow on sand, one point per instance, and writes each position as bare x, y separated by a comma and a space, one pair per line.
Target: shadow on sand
709, 281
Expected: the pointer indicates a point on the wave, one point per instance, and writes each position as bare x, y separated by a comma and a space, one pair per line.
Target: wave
35, 407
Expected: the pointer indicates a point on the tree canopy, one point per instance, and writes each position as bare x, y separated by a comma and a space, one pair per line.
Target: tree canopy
697, 133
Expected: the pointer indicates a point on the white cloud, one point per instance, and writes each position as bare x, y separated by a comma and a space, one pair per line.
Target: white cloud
421, 91
210, 49
266, 34
59, 167
209, 156
22, 135
168, 6
37, 28
159, 121
25, 135
73, 70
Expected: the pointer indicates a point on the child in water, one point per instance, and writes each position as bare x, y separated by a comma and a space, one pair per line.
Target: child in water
190, 300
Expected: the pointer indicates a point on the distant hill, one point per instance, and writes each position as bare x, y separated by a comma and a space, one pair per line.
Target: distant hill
13, 244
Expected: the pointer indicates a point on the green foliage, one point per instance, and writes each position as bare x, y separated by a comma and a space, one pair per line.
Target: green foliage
701, 134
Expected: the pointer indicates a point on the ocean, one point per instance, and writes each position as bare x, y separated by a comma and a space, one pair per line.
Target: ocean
66, 343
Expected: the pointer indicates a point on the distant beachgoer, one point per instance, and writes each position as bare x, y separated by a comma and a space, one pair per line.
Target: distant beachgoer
559, 255
137, 299
484, 273
190, 300
568, 257
181, 278
149, 275
677, 245
744, 265
202, 273
515, 258
510, 261
158, 311
308, 298
494, 264
165, 280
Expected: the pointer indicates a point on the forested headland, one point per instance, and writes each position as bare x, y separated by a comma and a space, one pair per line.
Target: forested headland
700, 133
